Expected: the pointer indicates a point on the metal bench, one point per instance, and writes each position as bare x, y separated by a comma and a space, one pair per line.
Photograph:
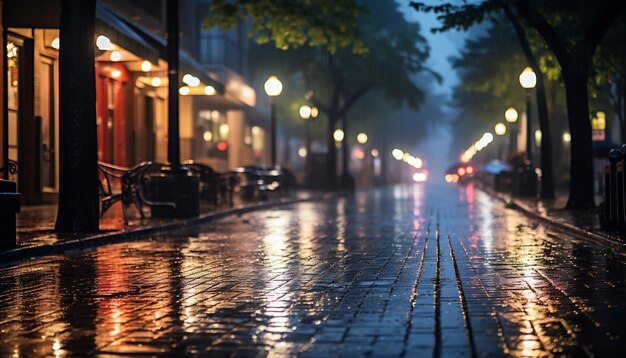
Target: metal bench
216, 188
126, 185
258, 182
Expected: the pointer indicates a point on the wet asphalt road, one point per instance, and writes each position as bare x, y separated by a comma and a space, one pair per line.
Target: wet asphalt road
410, 271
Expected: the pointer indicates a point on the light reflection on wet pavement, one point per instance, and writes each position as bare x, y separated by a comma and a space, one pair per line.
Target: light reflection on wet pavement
408, 271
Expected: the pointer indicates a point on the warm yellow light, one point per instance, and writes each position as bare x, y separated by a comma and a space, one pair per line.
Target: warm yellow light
56, 43
338, 135
397, 154
273, 87
116, 73
156, 82
374, 153
361, 138
601, 121
104, 44
305, 112
184, 90
314, 112
302, 152
500, 128
359, 154
115, 56
146, 66
207, 136
511, 115
527, 78
224, 131
418, 163
420, 177
538, 136
209, 90
567, 137
191, 80
487, 137
406, 156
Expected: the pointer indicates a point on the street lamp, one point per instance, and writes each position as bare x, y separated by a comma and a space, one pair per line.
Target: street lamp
511, 116
338, 135
306, 113
361, 138
528, 80
500, 129
273, 87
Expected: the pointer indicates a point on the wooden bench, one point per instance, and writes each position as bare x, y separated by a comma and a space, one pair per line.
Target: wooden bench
126, 185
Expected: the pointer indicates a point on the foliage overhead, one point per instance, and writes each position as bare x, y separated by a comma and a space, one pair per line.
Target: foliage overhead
294, 23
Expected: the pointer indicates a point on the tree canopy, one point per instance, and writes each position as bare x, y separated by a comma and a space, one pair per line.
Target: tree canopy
294, 23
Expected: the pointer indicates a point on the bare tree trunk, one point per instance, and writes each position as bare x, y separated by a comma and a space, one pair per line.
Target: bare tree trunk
78, 172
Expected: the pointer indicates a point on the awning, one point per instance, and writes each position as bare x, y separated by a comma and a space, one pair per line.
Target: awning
121, 34
45, 14
187, 63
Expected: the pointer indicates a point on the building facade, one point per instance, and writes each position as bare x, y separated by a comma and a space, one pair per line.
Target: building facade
219, 124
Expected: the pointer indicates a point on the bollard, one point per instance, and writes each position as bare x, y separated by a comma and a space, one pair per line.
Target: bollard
9, 207
619, 182
606, 217
614, 158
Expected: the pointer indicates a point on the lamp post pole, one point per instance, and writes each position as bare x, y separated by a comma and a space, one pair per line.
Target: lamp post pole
511, 117
273, 131
529, 134
528, 80
273, 87
173, 144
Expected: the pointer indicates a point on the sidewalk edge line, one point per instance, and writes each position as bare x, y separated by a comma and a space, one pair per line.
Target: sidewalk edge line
15, 256
557, 225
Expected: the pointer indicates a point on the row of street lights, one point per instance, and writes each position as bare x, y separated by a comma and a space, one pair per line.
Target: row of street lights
528, 81
273, 88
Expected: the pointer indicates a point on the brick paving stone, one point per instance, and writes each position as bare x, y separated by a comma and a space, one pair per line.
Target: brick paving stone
415, 271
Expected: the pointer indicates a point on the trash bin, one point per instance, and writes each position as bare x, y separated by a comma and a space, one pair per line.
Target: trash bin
9, 207
181, 190
525, 181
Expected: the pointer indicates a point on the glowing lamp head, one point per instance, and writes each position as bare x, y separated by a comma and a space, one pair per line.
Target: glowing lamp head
500, 129
305, 112
56, 43
115, 56
528, 78
116, 73
461, 171
361, 138
338, 135
146, 66
314, 112
511, 115
273, 87
397, 154
104, 44
375, 153
469, 169
209, 91
184, 91
567, 137
156, 82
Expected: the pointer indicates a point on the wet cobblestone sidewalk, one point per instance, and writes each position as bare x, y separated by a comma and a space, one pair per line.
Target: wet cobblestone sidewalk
408, 271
